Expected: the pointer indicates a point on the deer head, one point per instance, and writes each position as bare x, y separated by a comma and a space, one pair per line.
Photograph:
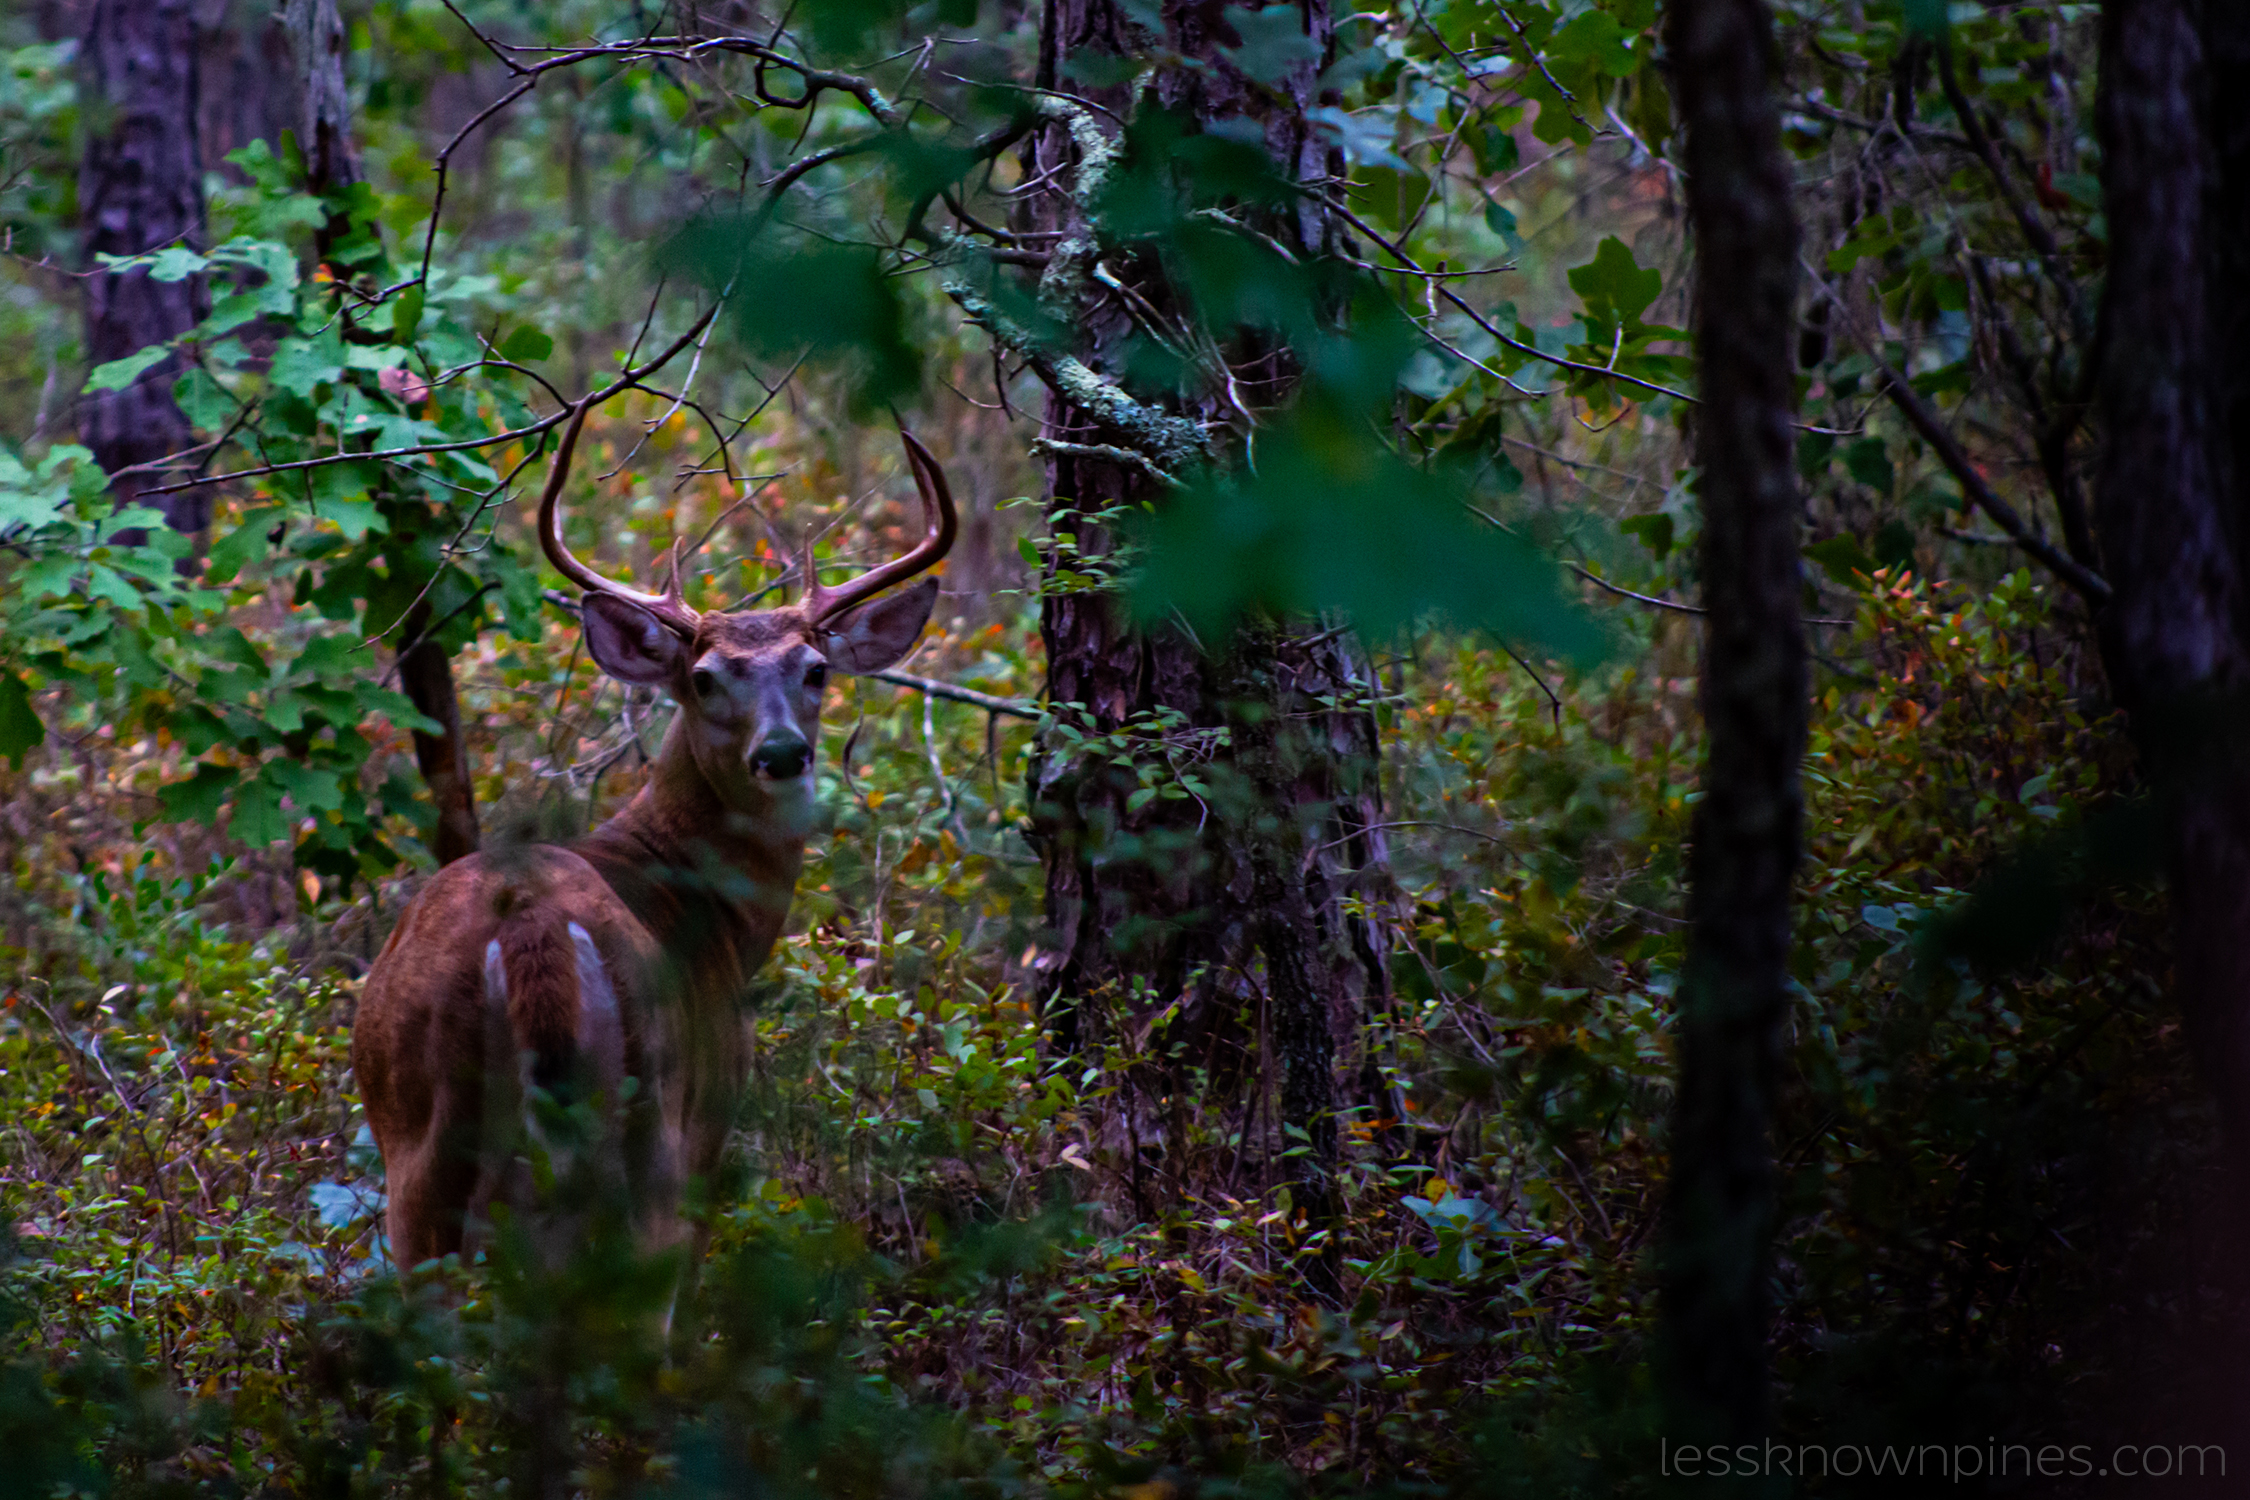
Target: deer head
749, 683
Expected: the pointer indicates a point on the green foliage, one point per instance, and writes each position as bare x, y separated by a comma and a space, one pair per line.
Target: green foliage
839, 302
1327, 523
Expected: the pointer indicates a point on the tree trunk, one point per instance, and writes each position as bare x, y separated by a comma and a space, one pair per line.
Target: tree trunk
1230, 904
140, 188
2172, 499
2173, 492
322, 122
425, 675
323, 114
1734, 993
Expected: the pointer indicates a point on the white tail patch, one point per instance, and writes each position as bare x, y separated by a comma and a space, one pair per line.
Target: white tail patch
597, 999
601, 1029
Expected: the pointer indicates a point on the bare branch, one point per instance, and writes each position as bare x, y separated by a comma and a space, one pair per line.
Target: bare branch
625, 381
2090, 585
936, 689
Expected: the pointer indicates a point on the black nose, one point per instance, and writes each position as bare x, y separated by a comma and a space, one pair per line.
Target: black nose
781, 757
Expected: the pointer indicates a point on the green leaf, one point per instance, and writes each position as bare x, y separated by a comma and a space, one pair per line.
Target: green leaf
332, 655
1870, 465
356, 517
265, 170
206, 403
1615, 287
257, 816
1872, 238
1654, 531
1273, 42
245, 542
1894, 544
1330, 521
199, 798
29, 508
120, 373
1590, 42
1813, 449
406, 316
1503, 223
1926, 19
302, 365
20, 728
1843, 559
843, 304
1496, 152
105, 582
1368, 137
526, 346
175, 263
313, 789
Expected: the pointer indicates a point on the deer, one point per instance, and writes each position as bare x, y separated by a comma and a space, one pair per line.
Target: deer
616, 969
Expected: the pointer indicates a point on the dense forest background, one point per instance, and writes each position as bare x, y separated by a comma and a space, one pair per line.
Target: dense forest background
1229, 1037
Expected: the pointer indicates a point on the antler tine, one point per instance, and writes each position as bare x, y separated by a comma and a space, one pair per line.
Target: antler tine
669, 607
938, 516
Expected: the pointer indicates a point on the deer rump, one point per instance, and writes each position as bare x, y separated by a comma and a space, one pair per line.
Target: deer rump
498, 1030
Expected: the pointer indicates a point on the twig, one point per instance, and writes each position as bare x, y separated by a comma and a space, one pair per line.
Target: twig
936, 689
1485, 323
1532, 672
2090, 585
1924, 419
1624, 593
2034, 229
1056, 448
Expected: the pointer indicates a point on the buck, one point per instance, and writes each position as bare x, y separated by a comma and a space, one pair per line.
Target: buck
627, 954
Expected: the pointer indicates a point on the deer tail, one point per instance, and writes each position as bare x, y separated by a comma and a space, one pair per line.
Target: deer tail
531, 972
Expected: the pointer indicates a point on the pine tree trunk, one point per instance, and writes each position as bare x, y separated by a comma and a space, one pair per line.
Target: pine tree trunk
1232, 904
140, 188
2173, 492
1734, 992
2172, 502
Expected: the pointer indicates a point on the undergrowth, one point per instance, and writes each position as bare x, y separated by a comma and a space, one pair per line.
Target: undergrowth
949, 1260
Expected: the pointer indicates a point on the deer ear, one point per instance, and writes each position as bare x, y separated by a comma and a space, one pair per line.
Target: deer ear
629, 643
878, 633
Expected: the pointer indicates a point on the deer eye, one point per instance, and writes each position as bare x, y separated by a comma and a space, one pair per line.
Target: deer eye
816, 675
703, 682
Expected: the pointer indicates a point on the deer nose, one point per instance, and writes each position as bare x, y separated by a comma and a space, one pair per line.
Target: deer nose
781, 757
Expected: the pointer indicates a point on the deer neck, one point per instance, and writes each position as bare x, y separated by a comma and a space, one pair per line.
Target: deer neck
711, 881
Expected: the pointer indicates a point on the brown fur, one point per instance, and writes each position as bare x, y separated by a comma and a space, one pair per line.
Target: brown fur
541, 965
682, 895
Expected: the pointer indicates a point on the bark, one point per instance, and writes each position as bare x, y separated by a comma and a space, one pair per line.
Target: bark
425, 673
246, 83
1734, 993
2172, 503
315, 35
140, 188
2173, 491
1233, 907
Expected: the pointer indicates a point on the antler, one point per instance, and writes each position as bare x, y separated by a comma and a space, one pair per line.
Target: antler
821, 603
668, 607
